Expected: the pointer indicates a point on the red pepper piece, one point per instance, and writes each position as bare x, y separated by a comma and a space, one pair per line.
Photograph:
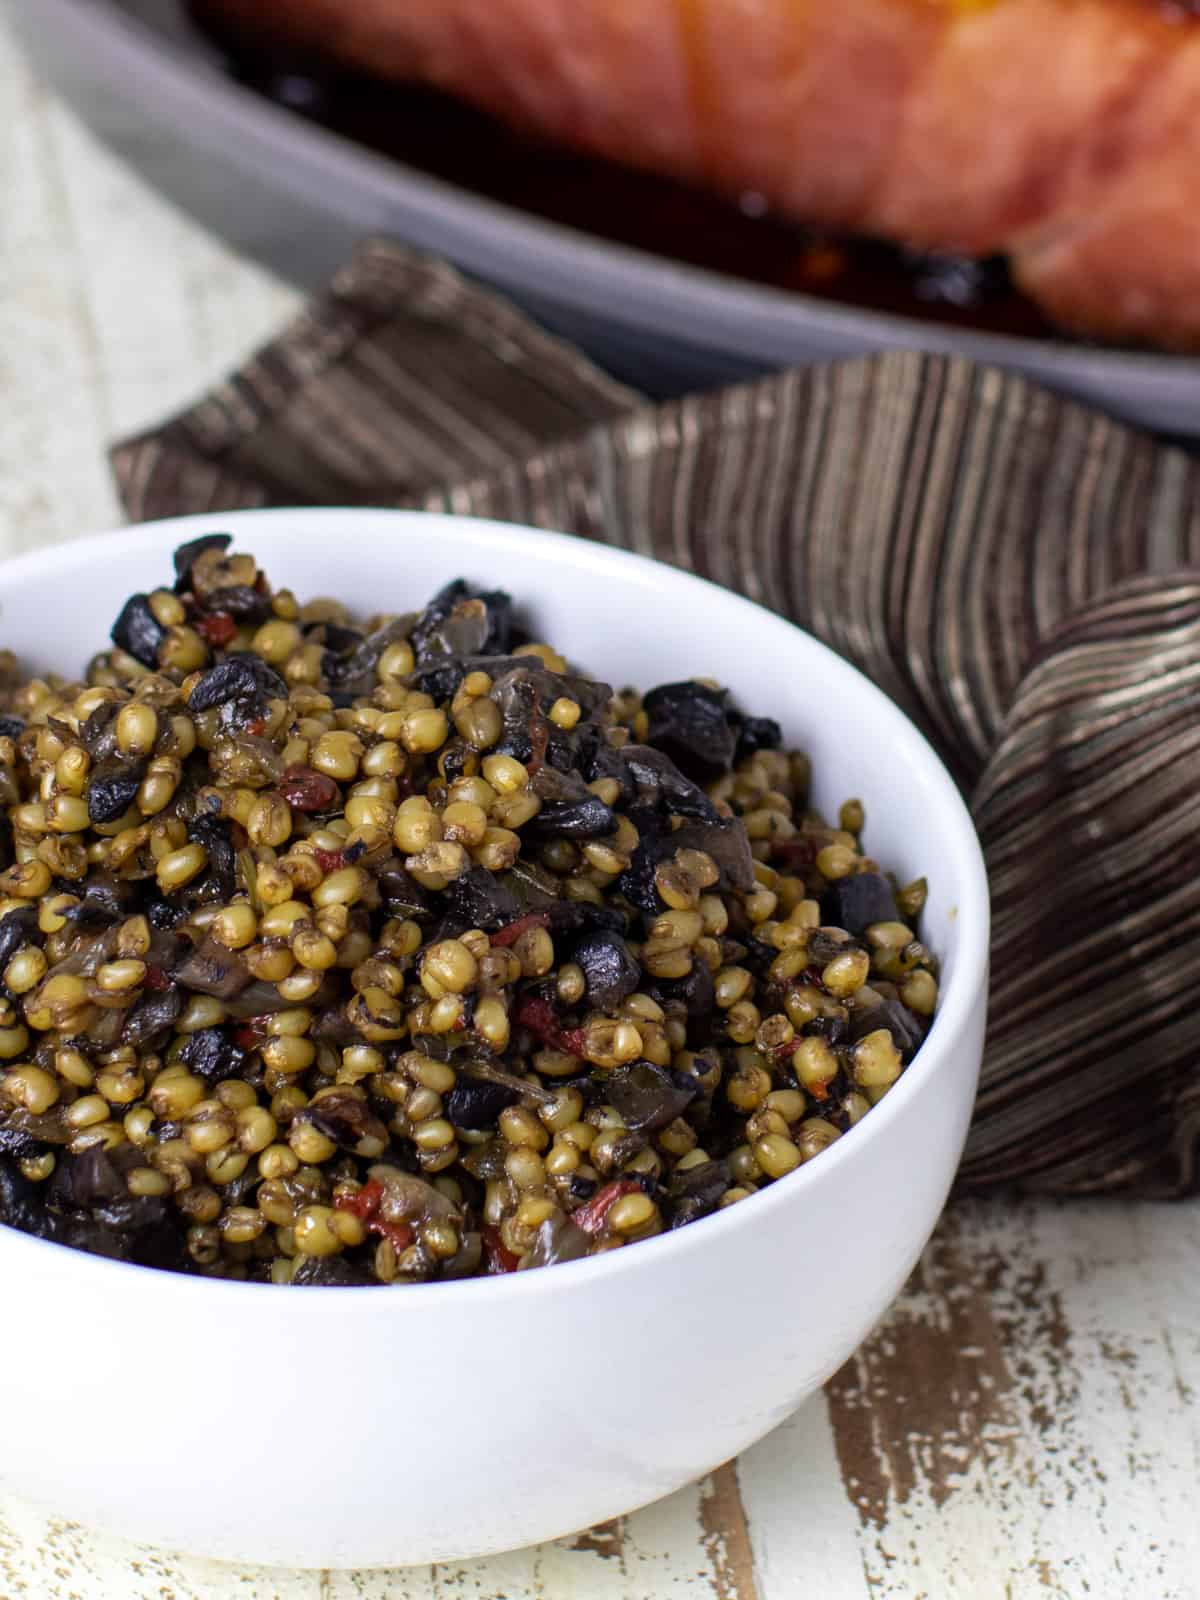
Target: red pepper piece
573, 1041
513, 930
330, 860
590, 1217
796, 856
498, 1257
241, 839
538, 1015
157, 979
365, 1203
251, 1033
365, 1206
218, 628
258, 727
399, 1234
307, 790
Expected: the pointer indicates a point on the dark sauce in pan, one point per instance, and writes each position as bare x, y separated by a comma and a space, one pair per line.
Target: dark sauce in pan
452, 141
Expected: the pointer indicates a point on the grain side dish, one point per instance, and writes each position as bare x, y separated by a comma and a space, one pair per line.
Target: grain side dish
341, 952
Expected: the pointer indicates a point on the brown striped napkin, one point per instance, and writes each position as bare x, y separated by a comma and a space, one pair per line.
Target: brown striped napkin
1021, 574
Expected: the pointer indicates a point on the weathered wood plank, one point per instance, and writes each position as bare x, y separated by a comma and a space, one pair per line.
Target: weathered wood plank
114, 310
169, 309
803, 1529
52, 476
1024, 1422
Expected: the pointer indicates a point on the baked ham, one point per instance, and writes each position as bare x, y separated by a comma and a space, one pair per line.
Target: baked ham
1062, 134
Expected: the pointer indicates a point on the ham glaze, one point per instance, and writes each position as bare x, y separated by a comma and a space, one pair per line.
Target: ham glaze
1063, 134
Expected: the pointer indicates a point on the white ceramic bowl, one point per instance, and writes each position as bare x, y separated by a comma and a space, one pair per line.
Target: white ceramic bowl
358, 1427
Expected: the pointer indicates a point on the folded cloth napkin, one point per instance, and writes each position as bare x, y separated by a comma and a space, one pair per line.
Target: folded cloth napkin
1020, 573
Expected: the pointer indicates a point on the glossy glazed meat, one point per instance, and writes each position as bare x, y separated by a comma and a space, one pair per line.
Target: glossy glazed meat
1063, 134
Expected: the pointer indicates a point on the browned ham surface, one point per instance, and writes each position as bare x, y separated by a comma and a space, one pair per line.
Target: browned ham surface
1064, 134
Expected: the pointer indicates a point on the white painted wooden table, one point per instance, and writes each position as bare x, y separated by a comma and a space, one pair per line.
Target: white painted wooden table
1024, 1424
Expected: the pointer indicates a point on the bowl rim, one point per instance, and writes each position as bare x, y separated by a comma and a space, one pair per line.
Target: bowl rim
959, 1000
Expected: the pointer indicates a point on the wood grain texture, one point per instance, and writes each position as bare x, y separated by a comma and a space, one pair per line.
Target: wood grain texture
1023, 1424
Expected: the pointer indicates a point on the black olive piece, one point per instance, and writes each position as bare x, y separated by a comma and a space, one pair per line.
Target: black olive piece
339, 639
835, 1030
17, 928
215, 834
185, 555
331, 1272
212, 1054
246, 680
581, 1188
152, 1018
11, 727
854, 903
440, 682
16, 1142
697, 990
610, 972
163, 915
113, 788
499, 639
475, 1104
906, 1028
754, 734
354, 670
138, 631
333, 1027
695, 1193
516, 743
21, 1204
689, 722
455, 759
240, 600
577, 916
476, 899
586, 818
596, 758
560, 750
658, 783
648, 1097
637, 883
757, 955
